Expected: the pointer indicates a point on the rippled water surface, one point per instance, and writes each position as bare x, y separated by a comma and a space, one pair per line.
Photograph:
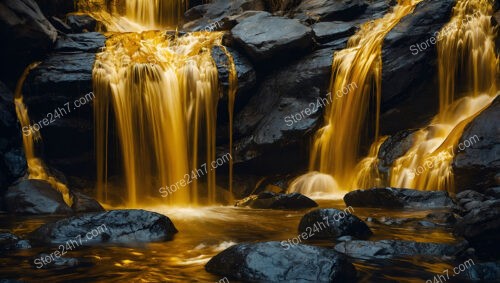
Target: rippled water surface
203, 232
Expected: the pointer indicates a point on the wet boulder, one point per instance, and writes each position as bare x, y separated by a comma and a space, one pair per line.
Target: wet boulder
396, 248
112, 227
409, 51
480, 272
35, 197
270, 200
271, 262
398, 198
265, 37
324, 10
26, 33
393, 148
84, 203
330, 223
475, 167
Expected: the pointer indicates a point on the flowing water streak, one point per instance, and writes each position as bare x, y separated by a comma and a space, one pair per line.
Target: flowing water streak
36, 167
467, 61
135, 15
336, 146
164, 92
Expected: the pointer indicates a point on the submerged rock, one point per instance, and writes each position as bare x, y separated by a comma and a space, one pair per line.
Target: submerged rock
10, 241
398, 198
35, 197
330, 223
49, 261
266, 37
476, 165
396, 248
270, 262
113, 227
270, 200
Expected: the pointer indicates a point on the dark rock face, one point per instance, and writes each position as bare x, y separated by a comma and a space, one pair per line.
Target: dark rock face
393, 148
323, 10
12, 160
329, 31
81, 23
476, 166
58, 8
271, 262
270, 141
84, 203
64, 76
27, 35
113, 227
266, 37
480, 224
398, 198
10, 241
217, 14
35, 197
270, 200
332, 224
394, 248
401, 61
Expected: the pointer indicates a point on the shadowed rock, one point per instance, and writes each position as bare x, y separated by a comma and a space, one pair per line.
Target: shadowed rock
81, 23
398, 198
475, 167
266, 37
271, 262
396, 248
113, 227
270, 200
35, 197
332, 223
322, 10
10, 241
26, 35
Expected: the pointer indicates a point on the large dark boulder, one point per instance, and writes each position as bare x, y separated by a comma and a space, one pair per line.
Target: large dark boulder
409, 78
398, 198
395, 248
81, 23
329, 223
268, 141
324, 10
271, 262
476, 166
265, 37
270, 200
35, 197
393, 148
113, 227
26, 34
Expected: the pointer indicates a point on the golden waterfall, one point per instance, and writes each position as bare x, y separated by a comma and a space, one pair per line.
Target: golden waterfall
336, 146
36, 167
135, 15
467, 60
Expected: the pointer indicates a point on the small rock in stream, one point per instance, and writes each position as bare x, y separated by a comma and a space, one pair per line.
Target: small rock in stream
270, 200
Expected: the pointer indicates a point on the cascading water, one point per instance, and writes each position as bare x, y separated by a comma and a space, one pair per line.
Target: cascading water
163, 90
336, 146
36, 167
467, 67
